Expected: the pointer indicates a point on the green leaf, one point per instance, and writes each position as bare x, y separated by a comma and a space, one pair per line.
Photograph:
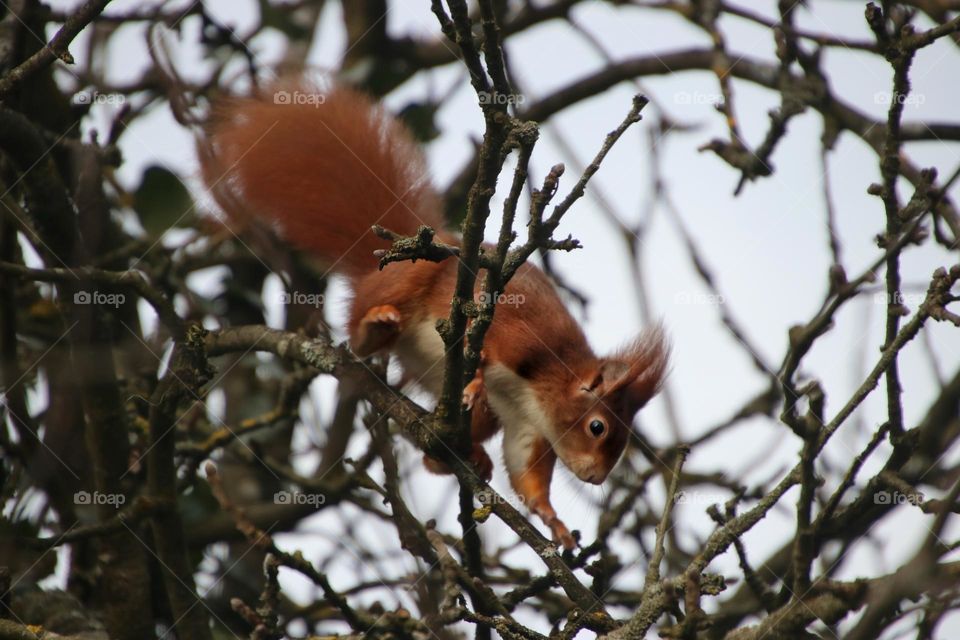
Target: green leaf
162, 201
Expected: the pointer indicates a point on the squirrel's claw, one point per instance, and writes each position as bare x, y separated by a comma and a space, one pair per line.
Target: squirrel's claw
472, 391
561, 534
474, 388
558, 530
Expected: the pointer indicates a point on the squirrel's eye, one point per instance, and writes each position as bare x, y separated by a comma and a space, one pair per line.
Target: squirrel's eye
596, 427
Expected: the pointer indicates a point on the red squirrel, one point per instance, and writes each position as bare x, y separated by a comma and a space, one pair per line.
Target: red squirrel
327, 169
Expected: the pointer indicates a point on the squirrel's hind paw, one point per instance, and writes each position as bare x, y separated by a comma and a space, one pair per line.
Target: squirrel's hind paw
378, 329
479, 459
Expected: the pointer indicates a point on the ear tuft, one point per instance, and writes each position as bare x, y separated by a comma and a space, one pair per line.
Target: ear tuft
641, 366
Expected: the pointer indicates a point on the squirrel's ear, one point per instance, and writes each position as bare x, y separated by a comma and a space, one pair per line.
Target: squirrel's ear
595, 382
608, 372
635, 373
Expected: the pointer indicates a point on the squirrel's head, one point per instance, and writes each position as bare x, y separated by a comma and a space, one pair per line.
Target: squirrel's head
594, 425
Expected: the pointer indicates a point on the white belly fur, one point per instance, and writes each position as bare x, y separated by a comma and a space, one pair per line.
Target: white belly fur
518, 408
419, 348
420, 351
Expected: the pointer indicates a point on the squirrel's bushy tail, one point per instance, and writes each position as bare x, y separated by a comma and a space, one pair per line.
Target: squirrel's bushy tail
324, 165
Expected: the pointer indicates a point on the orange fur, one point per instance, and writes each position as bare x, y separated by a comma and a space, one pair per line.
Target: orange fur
325, 174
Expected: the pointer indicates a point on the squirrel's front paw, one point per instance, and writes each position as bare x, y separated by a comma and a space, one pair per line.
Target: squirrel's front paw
561, 534
474, 388
472, 391
558, 530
